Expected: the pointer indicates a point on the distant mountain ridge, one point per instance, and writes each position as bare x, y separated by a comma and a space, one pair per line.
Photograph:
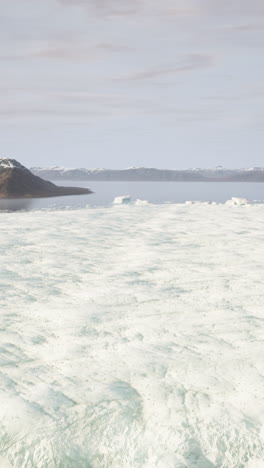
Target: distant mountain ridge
218, 174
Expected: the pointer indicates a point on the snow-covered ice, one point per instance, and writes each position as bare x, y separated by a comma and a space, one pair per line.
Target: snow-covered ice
141, 202
132, 338
237, 201
122, 200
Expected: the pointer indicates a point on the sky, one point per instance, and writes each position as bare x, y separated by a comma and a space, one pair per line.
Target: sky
121, 83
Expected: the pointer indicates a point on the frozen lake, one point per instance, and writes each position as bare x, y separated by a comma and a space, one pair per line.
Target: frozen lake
132, 337
155, 192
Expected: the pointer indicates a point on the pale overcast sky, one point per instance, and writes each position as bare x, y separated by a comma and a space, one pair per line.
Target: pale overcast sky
120, 83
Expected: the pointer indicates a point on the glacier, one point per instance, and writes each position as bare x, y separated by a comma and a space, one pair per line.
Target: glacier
132, 337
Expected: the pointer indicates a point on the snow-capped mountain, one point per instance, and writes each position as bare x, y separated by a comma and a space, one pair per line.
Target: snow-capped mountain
218, 174
7, 163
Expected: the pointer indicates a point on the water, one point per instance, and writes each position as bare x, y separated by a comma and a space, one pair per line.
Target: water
132, 337
154, 192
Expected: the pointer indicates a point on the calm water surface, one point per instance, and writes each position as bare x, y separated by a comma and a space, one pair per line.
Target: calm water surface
154, 192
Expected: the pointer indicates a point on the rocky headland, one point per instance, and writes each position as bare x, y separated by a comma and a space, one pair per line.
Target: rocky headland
16, 181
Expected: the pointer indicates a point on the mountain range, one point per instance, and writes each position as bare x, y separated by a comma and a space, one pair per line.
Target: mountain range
218, 174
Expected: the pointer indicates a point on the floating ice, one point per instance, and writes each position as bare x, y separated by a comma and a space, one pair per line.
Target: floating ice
123, 200
141, 202
237, 201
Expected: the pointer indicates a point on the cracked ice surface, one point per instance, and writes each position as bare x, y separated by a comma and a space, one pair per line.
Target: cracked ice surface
132, 337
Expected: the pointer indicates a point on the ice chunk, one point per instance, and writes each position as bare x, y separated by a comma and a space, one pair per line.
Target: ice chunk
123, 200
141, 202
240, 201
237, 201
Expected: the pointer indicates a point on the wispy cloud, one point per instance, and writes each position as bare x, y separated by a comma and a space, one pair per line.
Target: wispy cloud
137, 7
233, 7
188, 63
81, 106
173, 7
77, 51
107, 7
246, 96
62, 50
245, 27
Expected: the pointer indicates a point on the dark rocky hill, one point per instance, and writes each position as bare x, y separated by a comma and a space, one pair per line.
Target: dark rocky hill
16, 181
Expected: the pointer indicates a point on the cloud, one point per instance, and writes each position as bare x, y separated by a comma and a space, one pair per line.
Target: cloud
62, 50
107, 7
246, 27
250, 94
187, 63
233, 7
80, 106
171, 7
77, 51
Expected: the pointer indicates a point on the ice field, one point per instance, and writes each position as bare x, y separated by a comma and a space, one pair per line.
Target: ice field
132, 337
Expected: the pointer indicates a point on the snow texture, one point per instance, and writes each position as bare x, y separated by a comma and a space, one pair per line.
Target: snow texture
132, 337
